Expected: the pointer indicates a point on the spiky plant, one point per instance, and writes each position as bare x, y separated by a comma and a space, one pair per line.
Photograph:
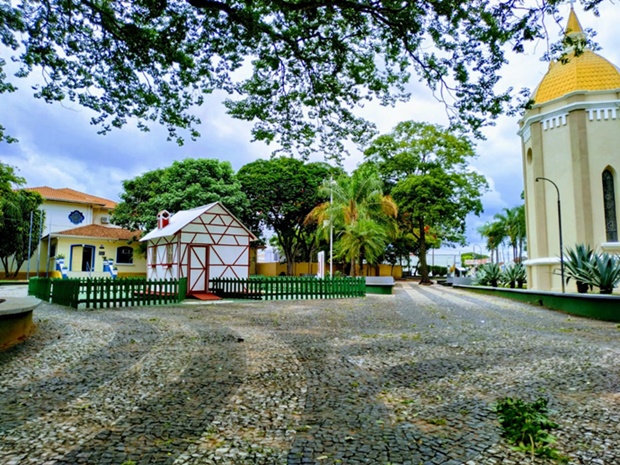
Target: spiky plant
514, 274
488, 274
580, 260
604, 272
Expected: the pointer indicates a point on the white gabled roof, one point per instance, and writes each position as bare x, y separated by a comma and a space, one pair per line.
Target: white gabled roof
181, 219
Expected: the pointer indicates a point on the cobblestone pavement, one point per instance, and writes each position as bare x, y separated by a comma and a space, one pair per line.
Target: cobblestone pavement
404, 379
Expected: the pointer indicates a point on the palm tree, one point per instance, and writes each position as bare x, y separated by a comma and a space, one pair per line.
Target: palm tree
361, 215
364, 239
508, 221
512, 222
495, 234
522, 232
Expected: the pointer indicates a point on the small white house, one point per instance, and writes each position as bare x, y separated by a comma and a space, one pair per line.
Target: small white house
200, 244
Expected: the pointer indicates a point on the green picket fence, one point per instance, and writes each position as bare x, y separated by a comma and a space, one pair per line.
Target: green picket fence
41, 288
288, 287
106, 293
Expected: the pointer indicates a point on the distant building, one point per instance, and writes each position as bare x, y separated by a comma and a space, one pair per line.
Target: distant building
77, 233
571, 136
268, 255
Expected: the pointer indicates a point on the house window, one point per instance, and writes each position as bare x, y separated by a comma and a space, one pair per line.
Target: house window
153, 250
124, 255
76, 217
609, 199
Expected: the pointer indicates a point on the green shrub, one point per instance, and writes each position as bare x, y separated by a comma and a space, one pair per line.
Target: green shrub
439, 270
527, 426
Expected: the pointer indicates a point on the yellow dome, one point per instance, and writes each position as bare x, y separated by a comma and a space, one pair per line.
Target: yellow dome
586, 72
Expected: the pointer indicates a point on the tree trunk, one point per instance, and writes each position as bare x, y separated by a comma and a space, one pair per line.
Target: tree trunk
352, 271
289, 253
290, 266
422, 261
5, 264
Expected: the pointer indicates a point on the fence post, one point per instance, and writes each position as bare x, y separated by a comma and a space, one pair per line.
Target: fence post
183, 289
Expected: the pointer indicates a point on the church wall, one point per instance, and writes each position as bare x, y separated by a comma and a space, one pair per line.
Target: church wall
537, 210
557, 166
604, 148
579, 227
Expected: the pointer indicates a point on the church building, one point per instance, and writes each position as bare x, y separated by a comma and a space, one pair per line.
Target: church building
571, 158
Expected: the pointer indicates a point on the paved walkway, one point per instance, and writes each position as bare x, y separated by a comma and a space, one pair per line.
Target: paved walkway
405, 379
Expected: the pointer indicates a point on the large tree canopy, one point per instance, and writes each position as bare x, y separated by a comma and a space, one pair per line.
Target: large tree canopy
282, 191
427, 167
183, 185
297, 68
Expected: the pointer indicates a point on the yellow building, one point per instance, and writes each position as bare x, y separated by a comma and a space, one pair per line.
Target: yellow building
571, 137
78, 239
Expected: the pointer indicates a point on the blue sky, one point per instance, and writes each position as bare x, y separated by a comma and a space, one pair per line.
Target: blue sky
59, 148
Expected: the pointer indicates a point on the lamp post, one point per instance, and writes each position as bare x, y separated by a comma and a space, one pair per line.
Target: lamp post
331, 227
560, 228
473, 247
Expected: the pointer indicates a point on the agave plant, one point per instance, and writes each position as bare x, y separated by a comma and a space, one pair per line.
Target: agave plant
488, 274
513, 275
604, 272
578, 266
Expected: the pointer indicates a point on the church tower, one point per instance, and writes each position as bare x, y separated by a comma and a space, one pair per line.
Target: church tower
571, 137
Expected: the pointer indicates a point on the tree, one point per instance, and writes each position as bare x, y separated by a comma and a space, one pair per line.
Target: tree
281, 192
9, 181
183, 185
15, 208
361, 215
19, 240
310, 62
495, 234
426, 167
507, 225
512, 222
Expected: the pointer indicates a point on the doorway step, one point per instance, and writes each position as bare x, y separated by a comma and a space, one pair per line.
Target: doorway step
204, 296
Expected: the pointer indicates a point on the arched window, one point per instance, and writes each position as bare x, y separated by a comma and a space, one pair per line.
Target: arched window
124, 255
609, 198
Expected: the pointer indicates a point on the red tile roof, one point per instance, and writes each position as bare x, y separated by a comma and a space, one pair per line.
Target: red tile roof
95, 230
69, 195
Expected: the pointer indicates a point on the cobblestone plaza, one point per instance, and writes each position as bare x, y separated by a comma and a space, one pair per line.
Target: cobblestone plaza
410, 378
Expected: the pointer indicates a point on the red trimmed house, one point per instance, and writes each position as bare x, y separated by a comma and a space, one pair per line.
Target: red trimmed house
200, 244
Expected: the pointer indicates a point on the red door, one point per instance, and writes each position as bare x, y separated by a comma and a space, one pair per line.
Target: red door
198, 269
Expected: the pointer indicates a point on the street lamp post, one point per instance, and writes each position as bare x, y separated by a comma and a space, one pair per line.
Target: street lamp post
560, 227
473, 248
331, 227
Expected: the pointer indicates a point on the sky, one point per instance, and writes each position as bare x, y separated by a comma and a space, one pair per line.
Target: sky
59, 148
